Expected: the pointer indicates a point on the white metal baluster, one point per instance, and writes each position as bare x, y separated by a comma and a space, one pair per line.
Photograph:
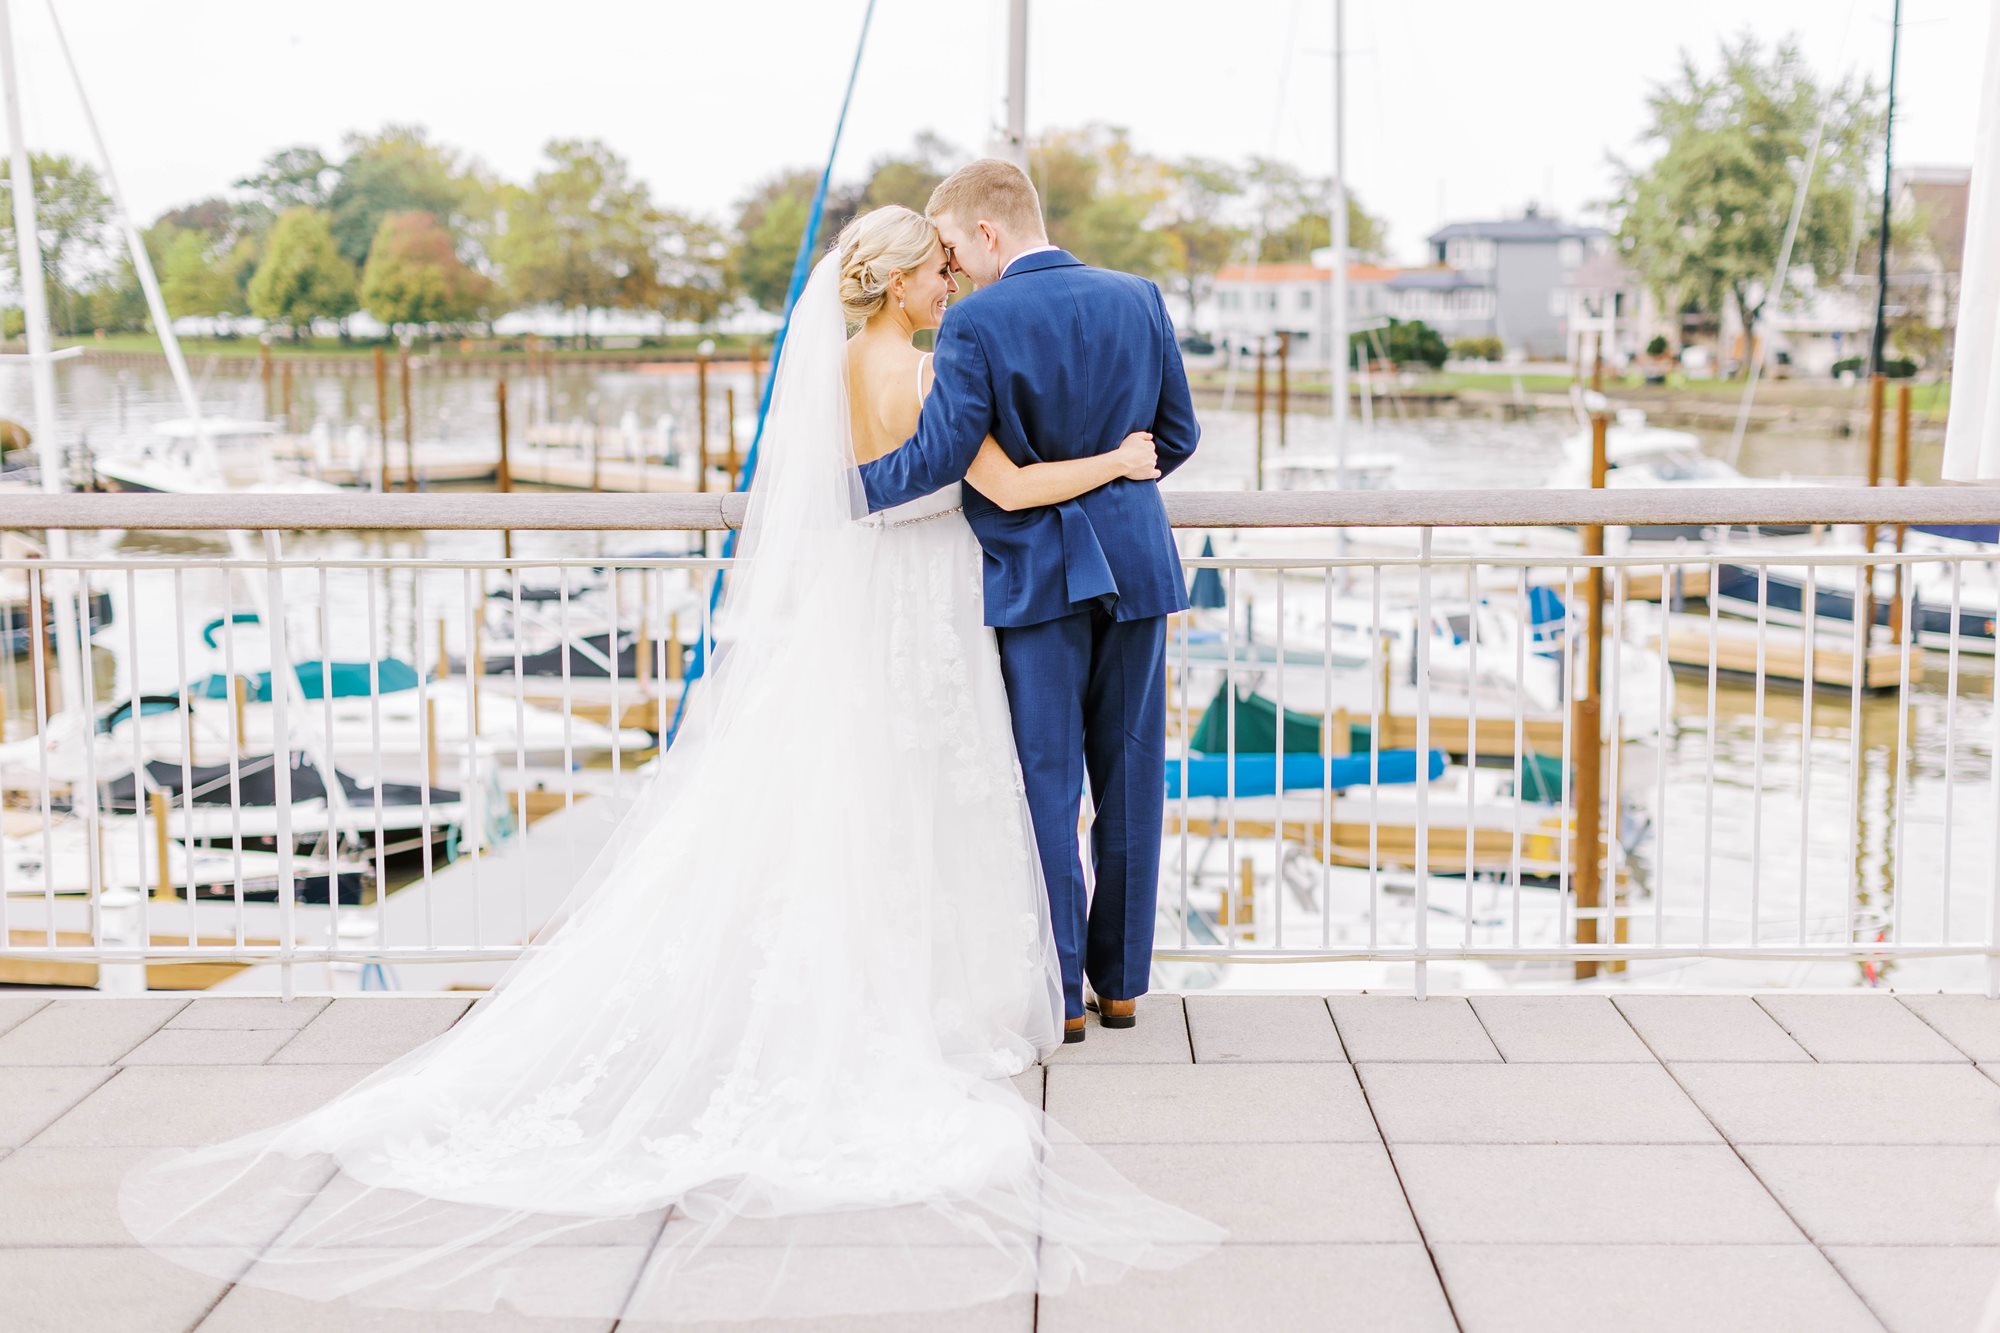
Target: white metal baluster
330, 846
1326, 780
1806, 744
521, 743
1379, 704
1667, 721
1520, 746
187, 752
93, 850
38, 635
368, 581
1613, 739
611, 642
568, 706
141, 796
1950, 748
660, 655
1708, 797
472, 829
1423, 857
1471, 739
1566, 811
281, 660
1757, 760
232, 692
1277, 894
1905, 771
426, 743
1230, 883
1864, 635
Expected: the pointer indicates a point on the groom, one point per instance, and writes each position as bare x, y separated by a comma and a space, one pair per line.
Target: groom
1058, 360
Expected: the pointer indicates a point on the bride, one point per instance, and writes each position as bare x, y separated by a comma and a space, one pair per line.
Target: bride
757, 1065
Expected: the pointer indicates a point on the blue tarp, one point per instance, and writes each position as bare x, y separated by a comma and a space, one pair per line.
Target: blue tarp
1257, 774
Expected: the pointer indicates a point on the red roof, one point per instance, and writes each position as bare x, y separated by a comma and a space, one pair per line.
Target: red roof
1303, 273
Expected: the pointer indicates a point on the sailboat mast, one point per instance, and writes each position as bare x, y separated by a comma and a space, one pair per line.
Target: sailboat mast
1015, 146
1338, 353
41, 366
1881, 338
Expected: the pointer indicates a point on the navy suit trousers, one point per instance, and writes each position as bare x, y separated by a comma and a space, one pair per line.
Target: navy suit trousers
1089, 700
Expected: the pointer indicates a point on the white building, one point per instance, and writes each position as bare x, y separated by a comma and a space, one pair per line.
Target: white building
1253, 301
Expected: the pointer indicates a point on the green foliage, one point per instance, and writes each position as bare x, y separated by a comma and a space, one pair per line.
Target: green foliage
1202, 238
1294, 210
582, 234
193, 279
1099, 197
115, 301
303, 275
1483, 348
1406, 342
1892, 367
73, 215
296, 177
769, 223
414, 276
396, 171
1657, 346
1703, 223
908, 179
694, 275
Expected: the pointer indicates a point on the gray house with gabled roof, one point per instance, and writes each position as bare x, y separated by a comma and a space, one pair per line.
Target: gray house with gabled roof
1515, 273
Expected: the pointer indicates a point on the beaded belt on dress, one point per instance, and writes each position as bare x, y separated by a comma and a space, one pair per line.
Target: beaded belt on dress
921, 518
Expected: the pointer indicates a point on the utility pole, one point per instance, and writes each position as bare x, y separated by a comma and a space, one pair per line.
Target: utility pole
1338, 230
1881, 337
1014, 147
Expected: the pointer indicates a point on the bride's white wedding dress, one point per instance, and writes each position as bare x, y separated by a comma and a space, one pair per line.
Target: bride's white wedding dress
757, 1066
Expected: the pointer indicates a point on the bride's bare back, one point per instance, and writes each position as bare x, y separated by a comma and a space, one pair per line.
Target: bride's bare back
884, 393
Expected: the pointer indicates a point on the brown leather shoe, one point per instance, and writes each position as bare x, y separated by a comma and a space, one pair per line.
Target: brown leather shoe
1114, 1013
1072, 1030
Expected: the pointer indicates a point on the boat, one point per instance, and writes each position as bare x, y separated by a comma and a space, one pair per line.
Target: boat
170, 460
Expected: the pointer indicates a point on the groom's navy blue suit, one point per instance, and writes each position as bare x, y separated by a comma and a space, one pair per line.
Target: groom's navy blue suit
1059, 360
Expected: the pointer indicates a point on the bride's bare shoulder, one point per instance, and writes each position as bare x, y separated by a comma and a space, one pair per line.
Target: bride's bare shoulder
883, 393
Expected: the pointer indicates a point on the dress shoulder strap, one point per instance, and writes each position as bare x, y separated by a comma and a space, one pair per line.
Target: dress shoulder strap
923, 364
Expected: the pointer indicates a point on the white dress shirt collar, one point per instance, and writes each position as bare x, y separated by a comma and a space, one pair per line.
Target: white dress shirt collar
1038, 250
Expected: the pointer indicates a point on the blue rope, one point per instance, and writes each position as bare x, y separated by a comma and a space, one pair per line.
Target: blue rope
801, 269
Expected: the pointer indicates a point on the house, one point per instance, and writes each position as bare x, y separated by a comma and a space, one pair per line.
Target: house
1512, 279
1609, 308
1253, 301
1925, 274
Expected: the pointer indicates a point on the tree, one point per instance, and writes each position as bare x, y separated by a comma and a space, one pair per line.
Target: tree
908, 179
396, 171
73, 213
194, 280
414, 275
693, 260
1202, 240
1704, 221
303, 275
1294, 212
769, 223
1099, 195
582, 235
297, 177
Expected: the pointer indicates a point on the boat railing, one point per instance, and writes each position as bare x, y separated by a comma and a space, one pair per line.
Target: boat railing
1714, 753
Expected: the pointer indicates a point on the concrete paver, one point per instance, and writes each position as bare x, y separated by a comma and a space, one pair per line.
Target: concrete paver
93, 1031
1307, 1103
1846, 1103
1589, 1194
1921, 1288
1969, 1022
1399, 1027
1290, 1028
1860, 1194
1531, 1103
181, 1106
208, 1046
249, 1011
1559, 1029
1276, 1192
371, 1031
104, 1290
1858, 1027
1648, 1288
1161, 1037
32, 1098
1709, 1027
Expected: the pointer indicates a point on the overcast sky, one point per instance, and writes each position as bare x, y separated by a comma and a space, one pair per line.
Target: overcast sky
1456, 108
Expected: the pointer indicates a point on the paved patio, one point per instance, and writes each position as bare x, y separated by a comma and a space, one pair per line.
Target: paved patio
1637, 1161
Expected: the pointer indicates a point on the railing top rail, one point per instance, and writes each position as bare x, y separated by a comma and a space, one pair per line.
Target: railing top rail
1185, 509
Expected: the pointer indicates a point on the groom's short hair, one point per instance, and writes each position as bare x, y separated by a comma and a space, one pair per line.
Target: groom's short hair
991, 189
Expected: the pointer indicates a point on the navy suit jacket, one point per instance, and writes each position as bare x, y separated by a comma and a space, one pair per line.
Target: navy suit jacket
1057, 360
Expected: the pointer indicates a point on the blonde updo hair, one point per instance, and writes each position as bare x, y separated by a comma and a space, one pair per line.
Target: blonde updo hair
873, 248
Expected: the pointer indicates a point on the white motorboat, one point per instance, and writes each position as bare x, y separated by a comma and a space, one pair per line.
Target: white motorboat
242, 456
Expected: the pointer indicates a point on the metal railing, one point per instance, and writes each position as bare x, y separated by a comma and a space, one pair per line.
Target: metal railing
1381, 752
